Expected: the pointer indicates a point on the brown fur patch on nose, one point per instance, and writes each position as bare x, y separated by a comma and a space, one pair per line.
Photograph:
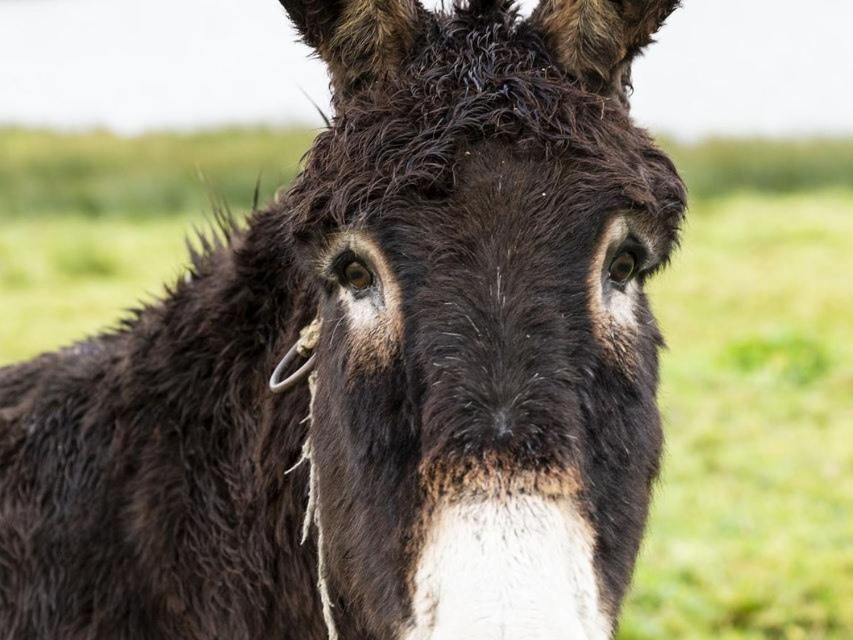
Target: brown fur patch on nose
494, 476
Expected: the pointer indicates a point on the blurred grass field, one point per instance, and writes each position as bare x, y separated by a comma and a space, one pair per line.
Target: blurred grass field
44, 173
752, 530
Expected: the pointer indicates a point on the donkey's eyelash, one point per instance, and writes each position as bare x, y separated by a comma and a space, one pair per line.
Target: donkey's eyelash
639, 249
340, 273
632, 244
647, 257
336, 266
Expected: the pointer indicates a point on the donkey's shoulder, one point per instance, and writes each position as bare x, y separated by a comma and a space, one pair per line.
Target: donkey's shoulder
52, 383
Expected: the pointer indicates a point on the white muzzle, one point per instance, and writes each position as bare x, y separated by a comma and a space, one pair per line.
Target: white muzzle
510, 568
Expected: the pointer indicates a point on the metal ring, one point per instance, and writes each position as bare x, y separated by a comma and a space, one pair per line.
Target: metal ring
279, 386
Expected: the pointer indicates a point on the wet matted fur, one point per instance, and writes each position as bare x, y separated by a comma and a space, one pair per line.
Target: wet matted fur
484, 167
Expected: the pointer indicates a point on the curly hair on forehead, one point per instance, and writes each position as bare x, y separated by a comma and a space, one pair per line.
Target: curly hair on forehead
479, 75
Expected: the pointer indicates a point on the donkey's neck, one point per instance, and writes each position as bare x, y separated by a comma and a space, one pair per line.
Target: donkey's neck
197, 390
203, 355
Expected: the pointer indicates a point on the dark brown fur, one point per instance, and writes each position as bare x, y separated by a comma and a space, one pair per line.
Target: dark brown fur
143, 491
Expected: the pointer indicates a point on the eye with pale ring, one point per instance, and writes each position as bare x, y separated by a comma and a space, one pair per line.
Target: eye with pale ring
356, 276
623, 268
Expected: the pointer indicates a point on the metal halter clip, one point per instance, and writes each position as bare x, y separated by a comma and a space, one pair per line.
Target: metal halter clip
308, 338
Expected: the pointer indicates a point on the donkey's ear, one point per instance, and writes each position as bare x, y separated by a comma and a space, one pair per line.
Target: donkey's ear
360, 40
597, 39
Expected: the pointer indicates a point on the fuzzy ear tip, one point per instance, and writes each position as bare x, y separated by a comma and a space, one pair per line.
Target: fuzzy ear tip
359, 40
596, 39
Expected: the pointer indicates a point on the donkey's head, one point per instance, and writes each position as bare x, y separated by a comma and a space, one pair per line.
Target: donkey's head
481, 217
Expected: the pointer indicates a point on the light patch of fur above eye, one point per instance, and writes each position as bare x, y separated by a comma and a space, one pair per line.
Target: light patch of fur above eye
614, 312
374, 320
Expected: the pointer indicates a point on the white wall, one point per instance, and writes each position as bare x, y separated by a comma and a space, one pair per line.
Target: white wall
770, 67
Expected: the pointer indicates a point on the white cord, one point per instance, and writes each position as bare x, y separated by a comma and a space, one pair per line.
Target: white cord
312, 516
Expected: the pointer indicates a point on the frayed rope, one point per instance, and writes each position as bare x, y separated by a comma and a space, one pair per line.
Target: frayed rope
312, 516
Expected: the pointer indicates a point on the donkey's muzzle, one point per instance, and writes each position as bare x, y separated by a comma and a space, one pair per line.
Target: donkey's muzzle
513, 567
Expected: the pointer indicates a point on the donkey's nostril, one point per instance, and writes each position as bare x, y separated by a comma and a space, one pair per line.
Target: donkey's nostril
503, 425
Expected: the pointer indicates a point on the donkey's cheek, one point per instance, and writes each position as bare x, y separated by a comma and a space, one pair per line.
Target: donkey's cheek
511, 567
373, 336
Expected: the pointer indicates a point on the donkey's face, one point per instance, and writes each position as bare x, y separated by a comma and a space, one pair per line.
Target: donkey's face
482, 216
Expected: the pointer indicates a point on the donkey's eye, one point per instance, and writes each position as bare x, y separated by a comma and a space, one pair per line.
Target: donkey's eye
356, 275
623, 267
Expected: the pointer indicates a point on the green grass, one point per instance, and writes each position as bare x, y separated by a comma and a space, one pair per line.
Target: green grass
751, 534
722, 167
99, 174
68, 276
752, 530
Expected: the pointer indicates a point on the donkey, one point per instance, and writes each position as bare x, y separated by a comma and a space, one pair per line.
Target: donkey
469, 452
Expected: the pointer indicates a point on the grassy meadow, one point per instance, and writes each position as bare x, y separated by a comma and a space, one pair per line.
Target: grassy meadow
751, 534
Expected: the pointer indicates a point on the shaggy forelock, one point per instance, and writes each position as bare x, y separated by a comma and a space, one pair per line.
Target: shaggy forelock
478, 75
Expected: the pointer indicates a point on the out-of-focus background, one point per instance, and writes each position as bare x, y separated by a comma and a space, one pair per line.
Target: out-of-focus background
119, 119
